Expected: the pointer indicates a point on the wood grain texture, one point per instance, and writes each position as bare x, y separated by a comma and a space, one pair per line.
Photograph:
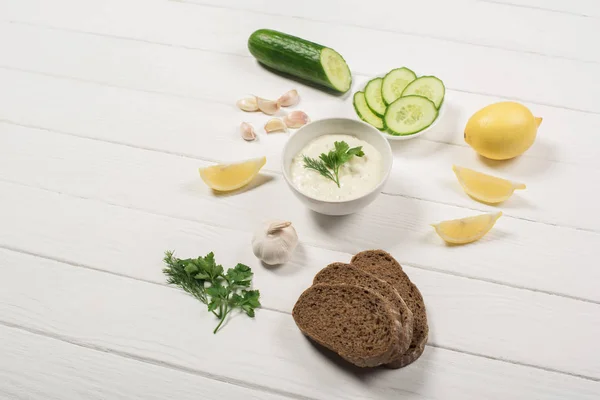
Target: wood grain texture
36, 367
178, 71
519, 253
138, 320
461, 66
533, 31
581, 8
174, 124
108, 108
131, 243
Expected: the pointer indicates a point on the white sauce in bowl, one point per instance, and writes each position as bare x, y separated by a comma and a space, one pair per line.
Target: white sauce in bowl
358, 176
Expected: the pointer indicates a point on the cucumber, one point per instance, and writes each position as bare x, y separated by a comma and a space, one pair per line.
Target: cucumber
427, 86
292, 55
409, 115
373, 96
364, 112
395, 82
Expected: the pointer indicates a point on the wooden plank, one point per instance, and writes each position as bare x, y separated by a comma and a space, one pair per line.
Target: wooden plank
532, 31
177, 71
174, 125
36, 367
474, 69
582, 8
161, 324
465, 314
169, 185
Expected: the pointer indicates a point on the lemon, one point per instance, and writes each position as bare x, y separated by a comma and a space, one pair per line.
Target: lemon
485, 188
502, 130
227, 177
466, 230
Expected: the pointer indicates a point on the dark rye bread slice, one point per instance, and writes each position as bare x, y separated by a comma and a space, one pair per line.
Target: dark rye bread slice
349, 274
353, 321
384, 266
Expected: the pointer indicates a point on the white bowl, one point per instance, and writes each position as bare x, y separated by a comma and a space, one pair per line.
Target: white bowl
360, 130
362, 85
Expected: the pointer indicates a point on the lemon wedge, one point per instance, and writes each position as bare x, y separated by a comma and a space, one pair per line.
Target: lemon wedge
485, 188
466, 230
228, 177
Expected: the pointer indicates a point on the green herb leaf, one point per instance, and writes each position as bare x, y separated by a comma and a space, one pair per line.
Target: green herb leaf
328, 165
203, 278
241, 275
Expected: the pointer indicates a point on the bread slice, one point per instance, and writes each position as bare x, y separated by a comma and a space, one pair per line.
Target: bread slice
353, 321
384, 266
349, 274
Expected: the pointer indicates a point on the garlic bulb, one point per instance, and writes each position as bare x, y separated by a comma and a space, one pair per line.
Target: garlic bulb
274, 242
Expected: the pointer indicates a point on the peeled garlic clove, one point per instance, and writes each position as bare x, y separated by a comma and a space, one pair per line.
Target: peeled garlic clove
274, 125
269, 107
296, 119
249, 104
289, 99
247, 132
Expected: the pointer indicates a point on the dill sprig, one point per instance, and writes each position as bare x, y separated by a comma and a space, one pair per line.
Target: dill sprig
328, 165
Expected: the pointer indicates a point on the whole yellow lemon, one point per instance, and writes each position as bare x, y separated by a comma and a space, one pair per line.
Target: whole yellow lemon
502, 130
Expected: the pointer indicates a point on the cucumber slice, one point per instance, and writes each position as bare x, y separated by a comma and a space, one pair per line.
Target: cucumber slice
409, 115
395, 82
427, 86
364, 112
373, 96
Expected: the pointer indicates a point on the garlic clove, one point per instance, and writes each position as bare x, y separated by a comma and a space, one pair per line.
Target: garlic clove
289, 99
274, 125
247, 131
274, 242
296, 119
248, 104
268, 107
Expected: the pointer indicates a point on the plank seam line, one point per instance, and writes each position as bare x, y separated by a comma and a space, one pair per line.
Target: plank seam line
224, 53
522, 364
376, 29
155, 362
307, 243
551, 10
229, 105
273, 172
573, 227
174, 366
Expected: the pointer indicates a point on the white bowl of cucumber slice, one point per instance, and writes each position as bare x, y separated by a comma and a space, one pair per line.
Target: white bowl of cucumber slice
400, 104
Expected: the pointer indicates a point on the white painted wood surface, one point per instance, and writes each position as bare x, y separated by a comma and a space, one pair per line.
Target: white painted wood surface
107, 109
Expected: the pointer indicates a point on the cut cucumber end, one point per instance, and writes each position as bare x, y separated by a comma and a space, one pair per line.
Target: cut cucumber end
373, 96
336, 69
364, 112
409, 115
395, 82
429, 87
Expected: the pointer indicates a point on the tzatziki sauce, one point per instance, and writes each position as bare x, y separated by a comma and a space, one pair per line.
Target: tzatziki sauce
358, 176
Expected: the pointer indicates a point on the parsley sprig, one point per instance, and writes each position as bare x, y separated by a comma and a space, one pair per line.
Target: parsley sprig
204, 279
329, 164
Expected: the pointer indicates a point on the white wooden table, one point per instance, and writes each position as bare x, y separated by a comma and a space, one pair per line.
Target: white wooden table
107, 109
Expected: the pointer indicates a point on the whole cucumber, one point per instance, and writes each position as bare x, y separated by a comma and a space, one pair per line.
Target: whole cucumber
298, 57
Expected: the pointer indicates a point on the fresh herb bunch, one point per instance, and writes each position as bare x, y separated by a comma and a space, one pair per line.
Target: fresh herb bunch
329, 164
204, 279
